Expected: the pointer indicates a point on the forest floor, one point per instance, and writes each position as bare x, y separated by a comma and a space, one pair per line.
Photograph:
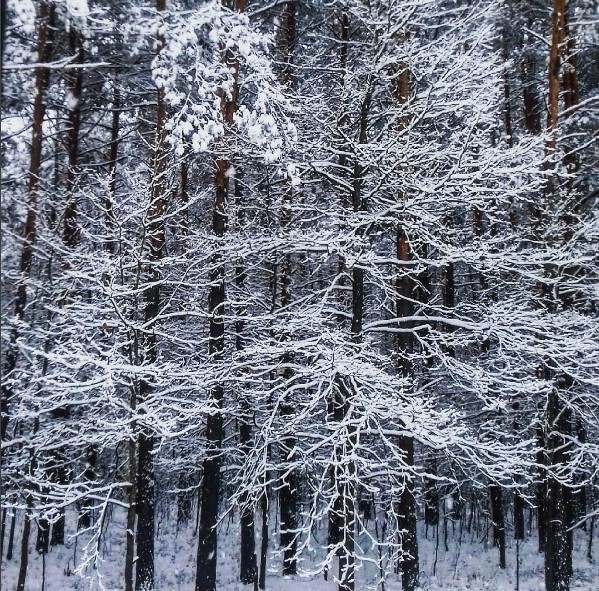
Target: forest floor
469, 563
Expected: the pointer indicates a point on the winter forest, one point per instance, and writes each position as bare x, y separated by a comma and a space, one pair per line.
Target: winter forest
300, 295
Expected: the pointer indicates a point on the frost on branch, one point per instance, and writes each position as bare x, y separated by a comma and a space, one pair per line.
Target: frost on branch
207, 58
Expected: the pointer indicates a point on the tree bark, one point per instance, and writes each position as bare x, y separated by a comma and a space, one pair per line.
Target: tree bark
42, 78
498, 520
210, 489
144, 572
406, 293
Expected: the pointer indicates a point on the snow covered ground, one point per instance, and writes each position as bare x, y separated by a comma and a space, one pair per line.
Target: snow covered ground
469, 565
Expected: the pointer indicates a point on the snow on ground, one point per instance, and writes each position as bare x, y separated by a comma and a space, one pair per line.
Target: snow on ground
467, 566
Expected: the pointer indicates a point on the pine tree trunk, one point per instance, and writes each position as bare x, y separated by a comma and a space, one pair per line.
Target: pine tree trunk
247, 557
558, 546
42, 77
144, 568
406, 292
210, 489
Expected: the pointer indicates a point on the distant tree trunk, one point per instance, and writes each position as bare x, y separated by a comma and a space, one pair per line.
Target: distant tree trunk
431, 496
263, 540
89, 475
131, 498
71, 235
210, 489
11, 535
3, 20
112, 166
498, 520
24, 549
42, 77
346, 472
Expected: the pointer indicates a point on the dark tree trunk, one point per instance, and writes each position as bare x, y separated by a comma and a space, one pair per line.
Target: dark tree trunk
406, 292
431, 496
42, 542
144, 572
410, 566
11, 535
89, 474
264, 541
132, 499
145, 502
210, 489
112, 166
497, 517
518, 516
557, 543
75, 86
42, 77
247, 557
289, 504
24, 551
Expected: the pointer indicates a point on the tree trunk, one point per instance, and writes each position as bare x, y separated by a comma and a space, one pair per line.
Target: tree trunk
144, 571
498, 520
42, 77
406, 293
247, 558
264, 541
132, 499
557, 546
112, 162
210, 489
74, 88
24, 549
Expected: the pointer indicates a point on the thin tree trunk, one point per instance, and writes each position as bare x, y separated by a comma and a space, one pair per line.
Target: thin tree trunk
11, 535
132, 499
264, 541
112, 162
498, 522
